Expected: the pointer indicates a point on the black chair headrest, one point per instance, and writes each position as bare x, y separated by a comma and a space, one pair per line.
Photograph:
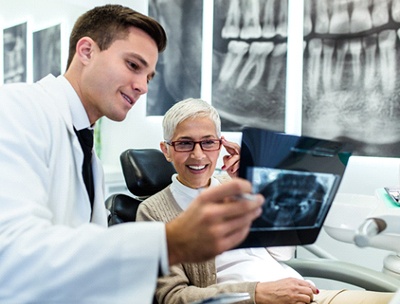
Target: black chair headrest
146, 171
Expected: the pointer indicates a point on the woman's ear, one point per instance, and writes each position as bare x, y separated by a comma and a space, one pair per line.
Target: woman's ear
165, 151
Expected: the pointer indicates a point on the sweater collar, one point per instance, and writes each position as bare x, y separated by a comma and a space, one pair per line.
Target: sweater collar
185, 195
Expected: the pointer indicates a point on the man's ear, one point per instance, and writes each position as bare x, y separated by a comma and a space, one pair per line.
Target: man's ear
84, 49
164, 149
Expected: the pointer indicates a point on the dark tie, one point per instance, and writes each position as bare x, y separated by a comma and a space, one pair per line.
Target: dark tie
85, 137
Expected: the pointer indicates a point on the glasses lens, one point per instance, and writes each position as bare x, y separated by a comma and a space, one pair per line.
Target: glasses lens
210, 145
184, 146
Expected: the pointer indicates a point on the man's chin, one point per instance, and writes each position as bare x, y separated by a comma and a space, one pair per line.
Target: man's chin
117, 117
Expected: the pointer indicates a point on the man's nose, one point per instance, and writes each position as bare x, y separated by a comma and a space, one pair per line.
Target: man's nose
140, 85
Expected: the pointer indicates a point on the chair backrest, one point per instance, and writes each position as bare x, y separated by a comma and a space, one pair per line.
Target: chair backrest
146, 171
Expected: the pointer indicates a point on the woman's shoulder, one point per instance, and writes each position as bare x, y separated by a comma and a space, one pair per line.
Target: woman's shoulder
158, 207
159, 197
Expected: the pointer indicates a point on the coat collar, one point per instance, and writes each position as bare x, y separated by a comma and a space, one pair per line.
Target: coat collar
68, 102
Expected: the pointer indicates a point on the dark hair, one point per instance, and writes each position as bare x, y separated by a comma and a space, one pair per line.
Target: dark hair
105, 24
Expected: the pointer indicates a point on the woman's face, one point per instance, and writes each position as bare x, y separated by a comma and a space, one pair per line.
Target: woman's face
194, 168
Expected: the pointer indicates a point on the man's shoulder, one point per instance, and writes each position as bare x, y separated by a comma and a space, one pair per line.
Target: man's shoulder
29, 94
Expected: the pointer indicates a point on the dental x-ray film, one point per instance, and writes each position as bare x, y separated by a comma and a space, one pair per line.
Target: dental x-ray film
298, 176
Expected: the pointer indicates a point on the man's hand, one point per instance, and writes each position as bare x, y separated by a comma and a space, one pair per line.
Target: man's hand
285, 291
231, 161
216, 221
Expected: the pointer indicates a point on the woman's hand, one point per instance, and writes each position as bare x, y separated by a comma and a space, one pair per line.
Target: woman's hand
285, 291
231, 161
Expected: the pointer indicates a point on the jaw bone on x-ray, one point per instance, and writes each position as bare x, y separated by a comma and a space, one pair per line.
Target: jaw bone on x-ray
350, 82
351, 86
249, 62
178, 73
292, 199
14, 43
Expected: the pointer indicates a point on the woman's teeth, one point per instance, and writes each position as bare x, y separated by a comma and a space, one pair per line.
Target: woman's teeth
197, 167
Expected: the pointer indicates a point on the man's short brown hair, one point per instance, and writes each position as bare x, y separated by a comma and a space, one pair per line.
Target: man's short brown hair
105, 24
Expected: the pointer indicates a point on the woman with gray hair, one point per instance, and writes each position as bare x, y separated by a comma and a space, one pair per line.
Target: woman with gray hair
192, 108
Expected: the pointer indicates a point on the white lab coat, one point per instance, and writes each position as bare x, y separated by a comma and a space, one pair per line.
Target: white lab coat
49, 252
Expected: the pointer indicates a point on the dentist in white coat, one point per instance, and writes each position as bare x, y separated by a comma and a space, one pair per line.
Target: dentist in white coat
54, 248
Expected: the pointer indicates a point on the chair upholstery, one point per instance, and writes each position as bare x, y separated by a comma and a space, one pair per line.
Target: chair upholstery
146, 171
122, 208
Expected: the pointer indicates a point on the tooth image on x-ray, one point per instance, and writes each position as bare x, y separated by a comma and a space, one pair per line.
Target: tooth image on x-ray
249, 63
350, 80
47, 52
178, 71
292, 198
14, 47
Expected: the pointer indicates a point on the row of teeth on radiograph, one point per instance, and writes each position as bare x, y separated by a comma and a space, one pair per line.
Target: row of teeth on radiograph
251, 25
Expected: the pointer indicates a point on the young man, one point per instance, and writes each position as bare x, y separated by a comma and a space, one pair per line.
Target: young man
54, 242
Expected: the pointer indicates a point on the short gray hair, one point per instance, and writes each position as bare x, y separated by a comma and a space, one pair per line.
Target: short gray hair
189, 108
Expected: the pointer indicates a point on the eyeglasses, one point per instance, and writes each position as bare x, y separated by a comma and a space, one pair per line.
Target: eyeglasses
188, 145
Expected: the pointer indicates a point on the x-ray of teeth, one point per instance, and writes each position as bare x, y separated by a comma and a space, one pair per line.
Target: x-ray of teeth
47, 52
249, 63
178, 71
350, 80
14, 57
292, 199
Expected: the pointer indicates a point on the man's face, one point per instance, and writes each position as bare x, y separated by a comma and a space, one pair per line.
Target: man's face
194, 168
114, 79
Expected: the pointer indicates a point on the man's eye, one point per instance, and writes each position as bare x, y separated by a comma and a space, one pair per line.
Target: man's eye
133, 65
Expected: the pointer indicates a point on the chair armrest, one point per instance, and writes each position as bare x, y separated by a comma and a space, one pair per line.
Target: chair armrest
122, 208
345, 272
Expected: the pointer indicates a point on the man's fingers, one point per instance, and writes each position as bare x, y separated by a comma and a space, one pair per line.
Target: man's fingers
229, 189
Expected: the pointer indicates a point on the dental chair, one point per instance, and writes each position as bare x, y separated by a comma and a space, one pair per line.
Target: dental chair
146, 171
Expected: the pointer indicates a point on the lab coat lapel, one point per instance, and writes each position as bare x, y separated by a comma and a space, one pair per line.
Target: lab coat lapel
99, 212
54, 87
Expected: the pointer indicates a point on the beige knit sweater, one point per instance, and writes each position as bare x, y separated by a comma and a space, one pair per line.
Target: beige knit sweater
186, 282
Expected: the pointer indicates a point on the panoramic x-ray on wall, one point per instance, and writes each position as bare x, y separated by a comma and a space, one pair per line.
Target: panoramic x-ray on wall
249, 63
178, 72
14, 57
47, 52
350, 79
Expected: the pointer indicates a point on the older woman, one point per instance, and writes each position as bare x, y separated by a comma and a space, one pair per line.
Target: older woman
192, 133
